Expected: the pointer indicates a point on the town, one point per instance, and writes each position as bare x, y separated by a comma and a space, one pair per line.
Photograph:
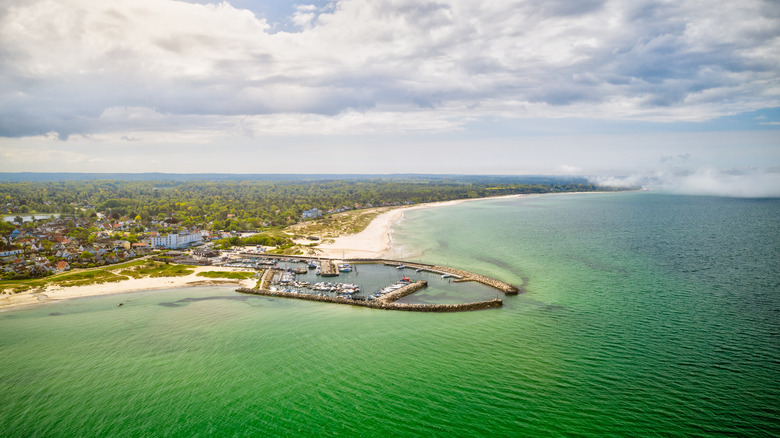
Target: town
34, 247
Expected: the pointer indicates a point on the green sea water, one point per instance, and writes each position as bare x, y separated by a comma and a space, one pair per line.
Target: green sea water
642, 315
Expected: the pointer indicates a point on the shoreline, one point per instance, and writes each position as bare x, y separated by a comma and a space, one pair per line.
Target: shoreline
374, 241
53, 294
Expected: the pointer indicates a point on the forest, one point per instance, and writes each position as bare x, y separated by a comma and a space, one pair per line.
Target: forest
255, 203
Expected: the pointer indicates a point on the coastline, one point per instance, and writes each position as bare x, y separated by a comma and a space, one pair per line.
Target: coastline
57, 293
373, 242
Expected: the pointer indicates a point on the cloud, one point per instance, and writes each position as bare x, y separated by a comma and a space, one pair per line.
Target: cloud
64, 64
737, 183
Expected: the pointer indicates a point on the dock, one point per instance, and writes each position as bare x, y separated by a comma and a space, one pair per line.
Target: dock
328, 269
387, 301
377, 304
458, 274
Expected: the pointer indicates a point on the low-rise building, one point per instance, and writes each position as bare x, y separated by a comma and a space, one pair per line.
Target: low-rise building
176, 241
314, 212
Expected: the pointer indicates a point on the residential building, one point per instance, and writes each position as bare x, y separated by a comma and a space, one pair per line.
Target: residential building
176, 241
314, 212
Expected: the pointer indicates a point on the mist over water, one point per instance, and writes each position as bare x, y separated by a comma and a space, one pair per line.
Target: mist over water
709, 181
644, 314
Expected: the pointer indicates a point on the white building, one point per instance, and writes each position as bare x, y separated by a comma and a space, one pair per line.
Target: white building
176, 241
314, 212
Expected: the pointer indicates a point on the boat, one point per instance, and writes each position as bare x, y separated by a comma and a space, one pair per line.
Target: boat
345, 268
446, 275
287, 277
406, 280
301, 270
400, 267
419, 269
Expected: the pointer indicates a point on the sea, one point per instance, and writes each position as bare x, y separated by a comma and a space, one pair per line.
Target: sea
641, 314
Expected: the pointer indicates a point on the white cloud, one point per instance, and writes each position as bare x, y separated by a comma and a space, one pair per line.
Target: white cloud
710, 181
65, 63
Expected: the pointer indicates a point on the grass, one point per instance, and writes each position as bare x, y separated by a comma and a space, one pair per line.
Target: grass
329, 227
104, 274
76, 278
230, 275
339, 224
156, 269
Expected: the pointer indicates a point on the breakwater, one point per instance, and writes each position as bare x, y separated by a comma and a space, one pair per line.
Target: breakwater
377, 304
404, 291
459, 274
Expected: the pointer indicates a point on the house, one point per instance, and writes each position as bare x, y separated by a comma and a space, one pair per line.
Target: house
314, 212
10, 252
141, 247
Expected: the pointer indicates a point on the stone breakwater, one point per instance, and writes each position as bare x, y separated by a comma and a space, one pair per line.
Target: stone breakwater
459, 274
377, 304
402, 292
470, 276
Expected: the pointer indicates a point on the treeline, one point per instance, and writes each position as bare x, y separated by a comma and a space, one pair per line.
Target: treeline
238, 205
257, 239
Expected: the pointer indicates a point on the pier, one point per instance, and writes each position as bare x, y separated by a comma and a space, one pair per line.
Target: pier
378, 304
402, 292
328, 268
388, 301
458, 274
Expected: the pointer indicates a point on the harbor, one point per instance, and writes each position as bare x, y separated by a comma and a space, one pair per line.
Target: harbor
377, 283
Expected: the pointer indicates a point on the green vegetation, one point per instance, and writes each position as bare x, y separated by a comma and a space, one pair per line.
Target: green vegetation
255, 204
264, 239
107, 274
79, 278
156, 269
338, 224
230, 275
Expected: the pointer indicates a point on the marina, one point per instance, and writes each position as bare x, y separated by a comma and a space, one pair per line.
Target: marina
385, 284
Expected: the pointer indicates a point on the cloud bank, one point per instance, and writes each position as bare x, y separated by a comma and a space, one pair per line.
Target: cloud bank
80, 67
709, 181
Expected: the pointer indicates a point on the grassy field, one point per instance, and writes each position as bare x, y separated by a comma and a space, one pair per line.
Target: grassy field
230, 275
156, 269
105, 274
335, 225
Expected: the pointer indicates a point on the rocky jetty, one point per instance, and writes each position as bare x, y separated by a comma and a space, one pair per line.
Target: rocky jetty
402, 292
377, 304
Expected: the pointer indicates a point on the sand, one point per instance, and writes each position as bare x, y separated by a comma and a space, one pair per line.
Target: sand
57, 293
373, 242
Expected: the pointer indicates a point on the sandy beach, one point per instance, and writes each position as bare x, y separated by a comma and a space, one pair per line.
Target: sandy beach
57, 293
373, 242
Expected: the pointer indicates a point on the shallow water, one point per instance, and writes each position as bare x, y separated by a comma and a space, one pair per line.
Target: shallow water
644, 315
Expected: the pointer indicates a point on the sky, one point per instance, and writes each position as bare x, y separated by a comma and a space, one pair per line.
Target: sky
681, 95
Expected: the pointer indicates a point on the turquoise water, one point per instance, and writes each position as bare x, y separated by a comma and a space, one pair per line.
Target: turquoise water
643, 315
